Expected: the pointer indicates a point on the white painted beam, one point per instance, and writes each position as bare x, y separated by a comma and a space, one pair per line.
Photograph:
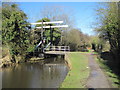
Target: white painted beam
47, 22
53, 26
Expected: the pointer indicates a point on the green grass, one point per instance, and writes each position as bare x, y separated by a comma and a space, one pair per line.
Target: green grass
77, 76
113, 78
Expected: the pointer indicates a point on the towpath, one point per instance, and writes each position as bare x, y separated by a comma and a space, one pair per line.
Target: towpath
97, 78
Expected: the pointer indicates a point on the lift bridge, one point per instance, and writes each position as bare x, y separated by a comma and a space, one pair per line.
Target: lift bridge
50, 48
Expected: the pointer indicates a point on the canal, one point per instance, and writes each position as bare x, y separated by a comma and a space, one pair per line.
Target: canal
34, 75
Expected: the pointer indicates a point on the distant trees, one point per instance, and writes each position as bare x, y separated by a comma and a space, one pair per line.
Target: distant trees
76, 40
56, 13
109, 29
98, 44
69, 36
15, 30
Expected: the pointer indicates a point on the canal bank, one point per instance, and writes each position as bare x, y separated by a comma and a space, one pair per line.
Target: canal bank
79, 71
74, 62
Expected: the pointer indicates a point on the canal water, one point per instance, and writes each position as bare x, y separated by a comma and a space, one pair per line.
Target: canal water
49, 75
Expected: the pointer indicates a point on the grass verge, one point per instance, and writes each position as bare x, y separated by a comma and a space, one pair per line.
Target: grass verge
77, 76
112, 77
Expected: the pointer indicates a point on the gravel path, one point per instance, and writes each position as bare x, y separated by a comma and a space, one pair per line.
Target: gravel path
97, 79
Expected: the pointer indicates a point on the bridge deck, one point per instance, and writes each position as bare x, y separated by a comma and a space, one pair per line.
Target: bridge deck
56, 52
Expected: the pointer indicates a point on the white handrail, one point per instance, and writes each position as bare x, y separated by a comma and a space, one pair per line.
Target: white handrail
53, 26
59, 48
47, 45
47, 22
39, 43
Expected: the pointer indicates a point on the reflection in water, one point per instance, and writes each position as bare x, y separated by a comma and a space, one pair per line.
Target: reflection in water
34, 76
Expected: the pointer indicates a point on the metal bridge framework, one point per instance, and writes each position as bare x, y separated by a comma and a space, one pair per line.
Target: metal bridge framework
50, 46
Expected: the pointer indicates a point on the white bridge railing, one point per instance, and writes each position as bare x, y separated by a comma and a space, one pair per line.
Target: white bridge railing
58, 48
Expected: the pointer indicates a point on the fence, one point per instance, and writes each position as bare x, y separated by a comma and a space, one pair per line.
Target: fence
58, 48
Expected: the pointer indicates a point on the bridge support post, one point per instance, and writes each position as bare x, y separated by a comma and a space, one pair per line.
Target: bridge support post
51, 35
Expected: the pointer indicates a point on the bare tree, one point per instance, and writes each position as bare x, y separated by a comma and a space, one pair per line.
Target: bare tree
58, 13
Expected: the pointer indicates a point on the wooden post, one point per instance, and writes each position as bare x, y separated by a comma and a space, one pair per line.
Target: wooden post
51, 35
42, 37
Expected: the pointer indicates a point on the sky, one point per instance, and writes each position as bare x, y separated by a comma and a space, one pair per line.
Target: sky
84, 12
